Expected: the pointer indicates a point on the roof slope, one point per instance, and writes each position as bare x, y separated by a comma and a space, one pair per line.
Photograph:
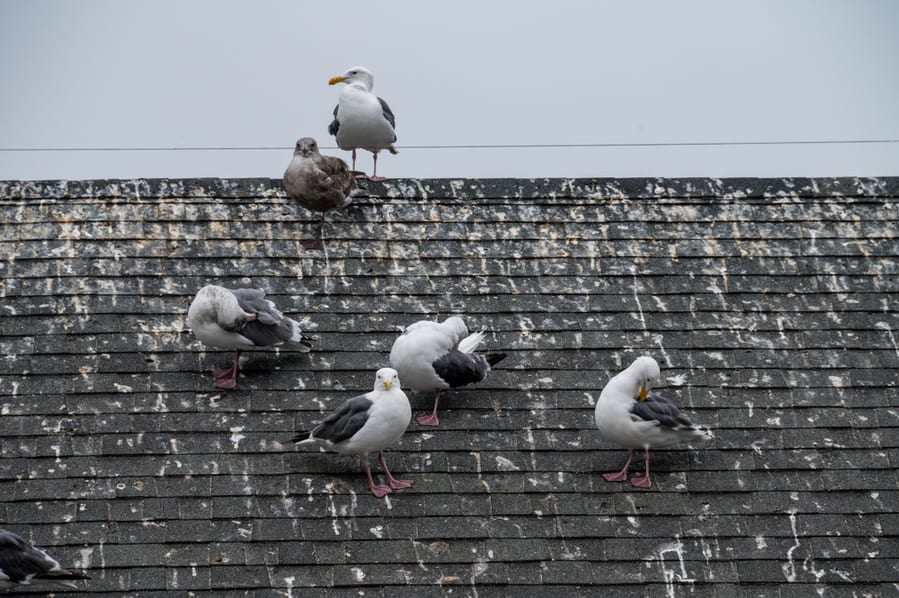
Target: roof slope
776, 299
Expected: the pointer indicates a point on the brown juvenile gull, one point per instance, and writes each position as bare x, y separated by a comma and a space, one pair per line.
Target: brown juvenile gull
362, 119
432, 356
22, 564
318, 183
628, 415
241, 319
365, 424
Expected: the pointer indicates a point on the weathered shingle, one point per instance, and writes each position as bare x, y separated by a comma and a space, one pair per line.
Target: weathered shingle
777, 299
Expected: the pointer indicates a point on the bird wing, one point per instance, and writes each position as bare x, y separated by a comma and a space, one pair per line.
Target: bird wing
342, 179
270, 327
332, 165
458, 369
385, 109
335, 124
344, 422
470, 343
253, 301
660, 409
20, 560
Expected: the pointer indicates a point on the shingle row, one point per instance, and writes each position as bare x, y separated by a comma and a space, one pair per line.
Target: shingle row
775, 298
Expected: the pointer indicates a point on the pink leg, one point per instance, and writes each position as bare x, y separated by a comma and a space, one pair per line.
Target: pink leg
379, 491
431, 420
227, 378
394, 483
316, 243
222, 373
620, 476
643, 482
358, 175
374, 173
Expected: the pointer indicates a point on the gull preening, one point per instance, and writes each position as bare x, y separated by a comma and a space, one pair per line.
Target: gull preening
627, 414
434, 356
241, 319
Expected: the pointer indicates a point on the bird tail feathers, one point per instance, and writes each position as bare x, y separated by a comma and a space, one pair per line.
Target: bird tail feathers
494, 357
298, 341
470, 342
304, 344
304, 438
703, 433
691, 433
392, 150
61, 578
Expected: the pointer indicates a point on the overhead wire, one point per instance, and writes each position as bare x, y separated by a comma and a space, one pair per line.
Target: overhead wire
466, 146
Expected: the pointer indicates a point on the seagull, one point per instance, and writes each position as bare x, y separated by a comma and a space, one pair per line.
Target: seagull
362, 119
241, 319
432, 356
367, 423
318, 183
22, 564
628, 415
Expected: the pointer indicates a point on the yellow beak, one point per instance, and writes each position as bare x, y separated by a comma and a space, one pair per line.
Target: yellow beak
388, 384
336, 80
643, 392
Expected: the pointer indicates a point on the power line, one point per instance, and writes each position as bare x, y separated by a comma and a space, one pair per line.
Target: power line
463, 146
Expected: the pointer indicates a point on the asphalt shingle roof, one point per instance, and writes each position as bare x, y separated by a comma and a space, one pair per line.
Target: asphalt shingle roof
776, 299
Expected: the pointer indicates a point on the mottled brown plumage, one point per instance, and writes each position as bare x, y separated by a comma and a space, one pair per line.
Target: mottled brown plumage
318, 183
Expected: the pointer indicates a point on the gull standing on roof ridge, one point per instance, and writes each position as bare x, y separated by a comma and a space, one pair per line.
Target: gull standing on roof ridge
241, 319
433, 356
365, 424
318, 183
627, 414
362, 120
22, 564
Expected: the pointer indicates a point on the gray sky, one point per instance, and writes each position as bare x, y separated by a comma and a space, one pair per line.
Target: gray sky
222, 73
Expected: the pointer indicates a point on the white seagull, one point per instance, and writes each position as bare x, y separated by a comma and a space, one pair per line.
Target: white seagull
318, 183
22, 564
367, 423
241, 319
432, 356
628, 415
362, 119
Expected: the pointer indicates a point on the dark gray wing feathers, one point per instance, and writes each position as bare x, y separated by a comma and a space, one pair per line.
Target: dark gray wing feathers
266, 336
335, 124
19, 560
270, 326
253, 301
388, 114
344, 422
658, 408
458, 369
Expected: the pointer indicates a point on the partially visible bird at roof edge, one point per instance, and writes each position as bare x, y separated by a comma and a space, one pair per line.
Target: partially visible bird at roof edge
628, 414
318, 183
362, 120
241, 319
434, 356
366, 424
22, 564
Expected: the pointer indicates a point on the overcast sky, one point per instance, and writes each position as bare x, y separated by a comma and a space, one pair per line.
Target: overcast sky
229, 74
